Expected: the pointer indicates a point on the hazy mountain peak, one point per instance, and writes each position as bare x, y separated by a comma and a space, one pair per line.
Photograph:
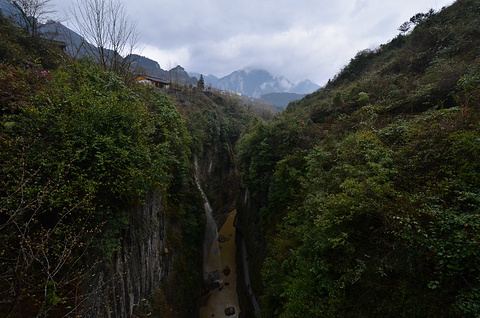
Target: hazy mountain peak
256, 82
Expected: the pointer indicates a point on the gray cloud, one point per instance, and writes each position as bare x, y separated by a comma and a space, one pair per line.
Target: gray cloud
297, 39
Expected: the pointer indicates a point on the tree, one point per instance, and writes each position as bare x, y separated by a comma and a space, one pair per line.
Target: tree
405, 27
201, 83
31, 11
420, 17
415, 20
105, 24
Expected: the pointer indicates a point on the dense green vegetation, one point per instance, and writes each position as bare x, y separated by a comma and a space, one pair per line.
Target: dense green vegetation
369, 189
215, 122
80, 150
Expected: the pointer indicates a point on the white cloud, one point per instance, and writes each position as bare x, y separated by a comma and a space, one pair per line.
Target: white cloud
297, 39
167, 59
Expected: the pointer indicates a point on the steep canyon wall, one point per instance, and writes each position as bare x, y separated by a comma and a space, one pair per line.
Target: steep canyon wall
124, 285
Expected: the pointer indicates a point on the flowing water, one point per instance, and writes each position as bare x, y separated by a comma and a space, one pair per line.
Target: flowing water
211, 250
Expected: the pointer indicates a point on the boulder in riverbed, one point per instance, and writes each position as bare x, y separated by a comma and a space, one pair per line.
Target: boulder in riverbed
227, 271
230, 311
223, 239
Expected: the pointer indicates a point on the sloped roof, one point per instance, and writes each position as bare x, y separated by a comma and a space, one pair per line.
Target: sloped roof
156, 79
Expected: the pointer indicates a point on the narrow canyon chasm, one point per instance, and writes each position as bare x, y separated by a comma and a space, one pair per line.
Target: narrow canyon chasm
219, 292
224, 291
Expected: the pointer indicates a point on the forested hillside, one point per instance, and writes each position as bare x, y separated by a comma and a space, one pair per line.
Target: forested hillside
368, 190
99, 211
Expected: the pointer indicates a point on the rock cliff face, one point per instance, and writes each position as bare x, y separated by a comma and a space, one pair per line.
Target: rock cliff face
249, 227
124, 284
221, 179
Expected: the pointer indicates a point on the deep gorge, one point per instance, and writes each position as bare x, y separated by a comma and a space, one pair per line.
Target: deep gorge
360, 200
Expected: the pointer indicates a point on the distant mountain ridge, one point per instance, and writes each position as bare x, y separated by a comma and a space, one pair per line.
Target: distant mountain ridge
257, 82
8, 9
144, 65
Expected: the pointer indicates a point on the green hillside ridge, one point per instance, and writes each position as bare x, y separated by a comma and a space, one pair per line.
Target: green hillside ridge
368, 189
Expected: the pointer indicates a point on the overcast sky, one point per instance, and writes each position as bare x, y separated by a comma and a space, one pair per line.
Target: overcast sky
302, 39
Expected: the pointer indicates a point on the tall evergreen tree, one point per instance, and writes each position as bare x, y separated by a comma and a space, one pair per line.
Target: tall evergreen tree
201, 83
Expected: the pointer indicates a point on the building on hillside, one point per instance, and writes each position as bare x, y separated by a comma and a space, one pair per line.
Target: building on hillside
154, 81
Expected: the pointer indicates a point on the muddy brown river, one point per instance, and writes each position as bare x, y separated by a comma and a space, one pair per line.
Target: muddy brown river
221, 299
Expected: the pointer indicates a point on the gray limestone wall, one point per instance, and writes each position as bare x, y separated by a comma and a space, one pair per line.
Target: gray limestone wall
123, 286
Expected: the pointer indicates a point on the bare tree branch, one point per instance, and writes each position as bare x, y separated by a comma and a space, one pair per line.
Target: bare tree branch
106, 25
32, 11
